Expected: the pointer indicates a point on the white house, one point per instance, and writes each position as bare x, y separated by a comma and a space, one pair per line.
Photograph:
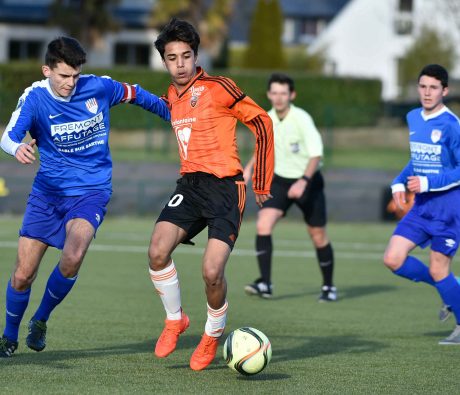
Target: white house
368, 37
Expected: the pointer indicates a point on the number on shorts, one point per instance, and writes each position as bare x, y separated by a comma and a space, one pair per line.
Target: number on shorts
176, 200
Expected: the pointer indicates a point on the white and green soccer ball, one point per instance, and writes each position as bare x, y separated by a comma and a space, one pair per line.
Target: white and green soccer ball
247, 351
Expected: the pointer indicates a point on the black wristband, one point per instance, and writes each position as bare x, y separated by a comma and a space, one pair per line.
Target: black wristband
306, 178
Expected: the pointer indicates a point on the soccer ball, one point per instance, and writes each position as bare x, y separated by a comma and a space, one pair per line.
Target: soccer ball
247, 351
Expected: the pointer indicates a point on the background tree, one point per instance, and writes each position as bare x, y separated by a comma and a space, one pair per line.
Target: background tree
265, 50
209, 17
429, 47
86, 20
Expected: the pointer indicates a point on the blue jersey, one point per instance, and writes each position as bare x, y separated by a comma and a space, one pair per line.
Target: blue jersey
435, 149
72, 133
435, 157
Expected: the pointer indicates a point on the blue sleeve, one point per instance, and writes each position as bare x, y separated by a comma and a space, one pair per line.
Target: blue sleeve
152, 103
22, 118
450, 176
126, 93
401, 178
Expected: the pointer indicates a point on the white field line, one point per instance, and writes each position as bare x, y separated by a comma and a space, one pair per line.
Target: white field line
189, 250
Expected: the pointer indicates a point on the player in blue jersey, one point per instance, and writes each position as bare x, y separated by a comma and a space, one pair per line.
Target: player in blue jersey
67, 116
433, 174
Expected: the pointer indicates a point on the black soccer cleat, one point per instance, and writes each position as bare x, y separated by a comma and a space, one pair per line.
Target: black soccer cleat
328, 294
36, 339
259, 288
7, 347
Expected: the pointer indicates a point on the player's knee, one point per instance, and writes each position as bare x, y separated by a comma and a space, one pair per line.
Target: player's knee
158, 259
72, 258
392, 260
21, 280
319, 239
438, 272
263, 228
213, 277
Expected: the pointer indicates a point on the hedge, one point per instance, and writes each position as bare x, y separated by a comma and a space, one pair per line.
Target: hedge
332, 101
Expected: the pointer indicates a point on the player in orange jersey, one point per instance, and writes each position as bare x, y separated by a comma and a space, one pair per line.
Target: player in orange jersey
211, 191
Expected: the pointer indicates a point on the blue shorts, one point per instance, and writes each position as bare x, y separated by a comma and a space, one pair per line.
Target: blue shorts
46, 216
423, 231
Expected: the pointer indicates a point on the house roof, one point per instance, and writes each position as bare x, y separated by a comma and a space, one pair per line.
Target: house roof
312, 8
298, 9
130, 16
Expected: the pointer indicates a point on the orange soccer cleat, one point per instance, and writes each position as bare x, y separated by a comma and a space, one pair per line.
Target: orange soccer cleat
167, 341
204, 353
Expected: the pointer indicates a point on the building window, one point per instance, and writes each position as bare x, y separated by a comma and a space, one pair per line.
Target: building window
25, 50
309, 27
405, 5
130, 54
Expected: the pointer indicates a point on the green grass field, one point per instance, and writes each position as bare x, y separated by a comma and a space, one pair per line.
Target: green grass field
380, 337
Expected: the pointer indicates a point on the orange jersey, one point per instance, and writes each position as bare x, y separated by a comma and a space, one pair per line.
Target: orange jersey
204, 117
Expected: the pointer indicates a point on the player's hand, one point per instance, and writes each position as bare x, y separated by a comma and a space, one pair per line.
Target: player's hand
262, 198
297, 189
414, 184
247, 173
400, 199
25, 153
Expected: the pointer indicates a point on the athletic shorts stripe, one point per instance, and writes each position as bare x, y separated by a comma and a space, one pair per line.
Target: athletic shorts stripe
241, 199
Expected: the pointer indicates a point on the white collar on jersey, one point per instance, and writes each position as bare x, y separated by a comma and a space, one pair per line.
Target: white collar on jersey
435, 114
60, 98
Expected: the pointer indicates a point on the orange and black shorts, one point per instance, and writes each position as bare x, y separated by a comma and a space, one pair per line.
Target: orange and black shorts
201, 200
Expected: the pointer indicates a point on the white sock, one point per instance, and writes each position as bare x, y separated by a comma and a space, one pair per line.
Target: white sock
166, 283
215, 324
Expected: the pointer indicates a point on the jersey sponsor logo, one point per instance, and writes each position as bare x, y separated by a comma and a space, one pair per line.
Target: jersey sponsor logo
55, 115
79, 126
183, 133
436, 135
427, 153
182, 121
91, 105
424, 148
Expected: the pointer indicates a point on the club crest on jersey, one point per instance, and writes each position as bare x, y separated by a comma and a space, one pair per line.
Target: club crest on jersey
436, 135
196, 93
183, 133
91, 105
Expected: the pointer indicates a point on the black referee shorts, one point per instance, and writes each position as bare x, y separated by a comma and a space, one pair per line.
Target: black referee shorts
201, 200
312, 203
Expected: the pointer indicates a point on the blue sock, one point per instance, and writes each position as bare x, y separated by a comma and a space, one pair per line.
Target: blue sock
16, 304
415, 270
56, 290
449, 289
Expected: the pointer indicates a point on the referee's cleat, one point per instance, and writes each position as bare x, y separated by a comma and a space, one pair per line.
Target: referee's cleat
444, 313
453, 338
7, 347
260, 288
36, 339
328, 294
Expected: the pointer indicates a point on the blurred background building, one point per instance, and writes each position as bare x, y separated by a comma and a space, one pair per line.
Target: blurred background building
358, 38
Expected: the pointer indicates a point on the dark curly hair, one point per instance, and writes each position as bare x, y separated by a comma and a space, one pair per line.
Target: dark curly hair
177, 30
